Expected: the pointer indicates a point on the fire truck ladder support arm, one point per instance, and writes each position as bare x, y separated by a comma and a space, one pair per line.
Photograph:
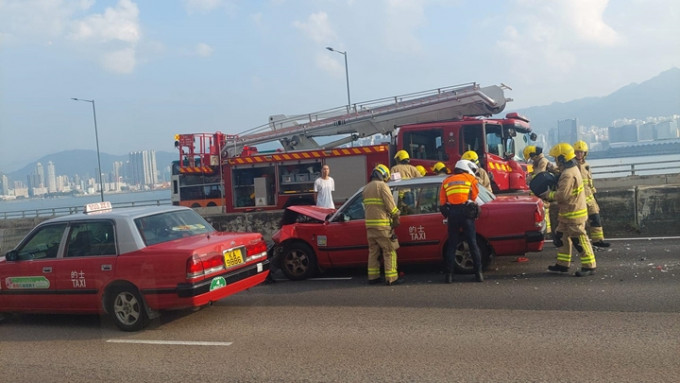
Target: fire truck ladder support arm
372, 117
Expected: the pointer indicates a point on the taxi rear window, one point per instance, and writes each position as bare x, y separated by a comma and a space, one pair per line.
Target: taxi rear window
164, 227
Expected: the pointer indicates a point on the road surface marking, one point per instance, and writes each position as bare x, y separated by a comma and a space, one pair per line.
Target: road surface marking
170, 342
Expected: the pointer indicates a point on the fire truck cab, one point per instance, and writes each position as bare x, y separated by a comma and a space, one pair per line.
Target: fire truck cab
496, 141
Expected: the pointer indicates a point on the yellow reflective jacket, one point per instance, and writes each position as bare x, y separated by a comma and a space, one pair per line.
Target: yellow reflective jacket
406, 171
570, 196
379, 206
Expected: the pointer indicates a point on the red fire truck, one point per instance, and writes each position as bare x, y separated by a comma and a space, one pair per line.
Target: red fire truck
215, 169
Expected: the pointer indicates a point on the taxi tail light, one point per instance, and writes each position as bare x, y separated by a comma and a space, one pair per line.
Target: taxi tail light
538, 217
194, 267
256, 248
213, 264
198, 266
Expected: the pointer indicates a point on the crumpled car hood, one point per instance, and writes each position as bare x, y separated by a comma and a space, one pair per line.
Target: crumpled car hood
315, 212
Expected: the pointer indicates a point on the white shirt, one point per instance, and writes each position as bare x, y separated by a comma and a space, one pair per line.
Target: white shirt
323, 188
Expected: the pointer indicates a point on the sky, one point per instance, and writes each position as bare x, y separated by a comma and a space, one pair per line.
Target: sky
157, 68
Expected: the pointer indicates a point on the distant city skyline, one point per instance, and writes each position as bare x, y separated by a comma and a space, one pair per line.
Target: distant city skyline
139, 172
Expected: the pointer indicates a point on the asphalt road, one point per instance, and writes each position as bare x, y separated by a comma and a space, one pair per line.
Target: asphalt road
522, 324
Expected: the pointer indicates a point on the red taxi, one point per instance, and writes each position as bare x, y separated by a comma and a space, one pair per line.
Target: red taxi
129, 263
312, 239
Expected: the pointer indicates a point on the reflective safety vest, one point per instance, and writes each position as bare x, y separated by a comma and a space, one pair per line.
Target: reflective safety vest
379, 206
458, 188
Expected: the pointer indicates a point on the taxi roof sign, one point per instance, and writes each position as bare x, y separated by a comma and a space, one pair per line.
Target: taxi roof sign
97, 207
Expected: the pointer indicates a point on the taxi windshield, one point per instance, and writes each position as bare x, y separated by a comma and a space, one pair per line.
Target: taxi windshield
173, 225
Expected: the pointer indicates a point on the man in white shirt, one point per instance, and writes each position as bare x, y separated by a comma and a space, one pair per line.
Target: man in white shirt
324, 186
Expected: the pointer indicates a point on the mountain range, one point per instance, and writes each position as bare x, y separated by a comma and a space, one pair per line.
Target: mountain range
656, 97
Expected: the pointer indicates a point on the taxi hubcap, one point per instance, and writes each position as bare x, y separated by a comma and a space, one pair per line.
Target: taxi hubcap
127, 308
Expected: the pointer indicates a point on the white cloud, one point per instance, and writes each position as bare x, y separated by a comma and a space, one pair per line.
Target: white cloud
113, 36
330, 64
115, 24
585, 18
204, 50
317, 28
546, 40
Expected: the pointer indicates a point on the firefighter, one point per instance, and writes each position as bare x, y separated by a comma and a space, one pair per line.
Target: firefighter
456, 199
572, 213
382, 216
595, 230
403, 166
482, 175
440, 169
421, 170
534, 154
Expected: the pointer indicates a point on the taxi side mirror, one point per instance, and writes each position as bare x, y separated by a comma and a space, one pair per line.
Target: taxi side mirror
11, 256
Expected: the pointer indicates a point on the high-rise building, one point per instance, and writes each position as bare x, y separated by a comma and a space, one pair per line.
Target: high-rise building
39, 180
4, 185
51, 178
567, 130
142, 168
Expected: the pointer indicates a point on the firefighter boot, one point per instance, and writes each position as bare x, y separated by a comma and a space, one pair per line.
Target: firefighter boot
558, 269
585, 271
601, 243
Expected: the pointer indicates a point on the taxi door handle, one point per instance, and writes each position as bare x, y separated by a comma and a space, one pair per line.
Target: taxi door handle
47, 269
107, 268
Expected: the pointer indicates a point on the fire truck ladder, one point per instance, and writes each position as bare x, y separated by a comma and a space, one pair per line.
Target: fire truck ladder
372, 117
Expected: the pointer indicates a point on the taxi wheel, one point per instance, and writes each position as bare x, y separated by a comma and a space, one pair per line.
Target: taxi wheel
126, 308
464, 263
298, 261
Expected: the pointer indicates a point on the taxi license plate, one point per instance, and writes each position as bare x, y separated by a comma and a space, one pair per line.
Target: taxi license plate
233, 258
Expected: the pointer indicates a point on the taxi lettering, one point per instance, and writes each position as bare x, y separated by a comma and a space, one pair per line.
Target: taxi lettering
417, 233
78, 278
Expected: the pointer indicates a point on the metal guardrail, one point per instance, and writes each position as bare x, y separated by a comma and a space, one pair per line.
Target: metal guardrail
68, 210
636, 169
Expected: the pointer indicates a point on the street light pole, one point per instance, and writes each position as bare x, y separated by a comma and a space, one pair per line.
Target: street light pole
349, 103
96, 137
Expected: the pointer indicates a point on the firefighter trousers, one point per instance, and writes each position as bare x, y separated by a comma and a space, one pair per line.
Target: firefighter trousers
574, 234
379, 243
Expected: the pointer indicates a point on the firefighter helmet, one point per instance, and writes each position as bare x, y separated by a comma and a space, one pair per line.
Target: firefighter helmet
528, 151
467, 166
440, 167
401, 155
421, 170
470, 155
381, 171
580, 146
562, 152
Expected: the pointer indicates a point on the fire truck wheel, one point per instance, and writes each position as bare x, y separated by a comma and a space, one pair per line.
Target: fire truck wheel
464, 263
298, 261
